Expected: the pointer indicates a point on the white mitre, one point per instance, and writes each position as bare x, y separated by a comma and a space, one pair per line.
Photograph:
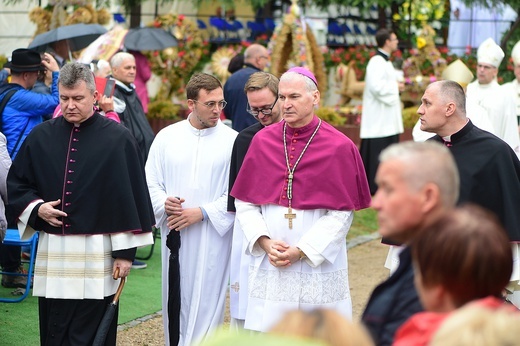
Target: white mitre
515, 54
490, 53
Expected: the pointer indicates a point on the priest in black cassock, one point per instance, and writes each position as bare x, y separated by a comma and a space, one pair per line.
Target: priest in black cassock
79, 180
262, 97
489, 169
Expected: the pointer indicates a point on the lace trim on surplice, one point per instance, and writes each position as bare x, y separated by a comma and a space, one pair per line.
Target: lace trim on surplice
291, 286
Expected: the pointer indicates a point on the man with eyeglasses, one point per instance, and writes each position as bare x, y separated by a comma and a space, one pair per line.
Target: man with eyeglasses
295, 194
381, 120
187, 173
256, 59
261, 90
20, 111
494, 98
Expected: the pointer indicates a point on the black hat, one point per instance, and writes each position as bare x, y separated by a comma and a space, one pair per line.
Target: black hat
25, 60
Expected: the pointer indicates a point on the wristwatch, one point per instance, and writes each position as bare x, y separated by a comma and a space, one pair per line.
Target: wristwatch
302, 254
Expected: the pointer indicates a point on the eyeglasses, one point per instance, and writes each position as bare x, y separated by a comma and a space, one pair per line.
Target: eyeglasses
212, 104
264, 111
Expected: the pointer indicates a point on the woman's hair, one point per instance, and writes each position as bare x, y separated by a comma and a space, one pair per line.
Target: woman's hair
467, 252
476, 325
324, 325
236, 63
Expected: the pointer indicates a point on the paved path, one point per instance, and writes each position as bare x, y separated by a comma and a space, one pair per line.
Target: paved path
366, 257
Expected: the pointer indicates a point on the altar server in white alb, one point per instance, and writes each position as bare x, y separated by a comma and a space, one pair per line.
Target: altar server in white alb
381, 120
514, 86
187, 172
486, 92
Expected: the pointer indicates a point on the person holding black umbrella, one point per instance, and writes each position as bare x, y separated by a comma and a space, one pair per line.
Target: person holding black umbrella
190, 159
79, 179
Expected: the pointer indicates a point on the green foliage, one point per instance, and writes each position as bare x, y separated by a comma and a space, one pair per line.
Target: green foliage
3, 60
162, 109
141, 297
365, 223
329, 115
506, 68
410, 117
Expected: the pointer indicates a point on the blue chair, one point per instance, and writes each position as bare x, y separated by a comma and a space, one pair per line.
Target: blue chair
255, 29
220, 26
335, 34
269, 25
12, 237
201, 25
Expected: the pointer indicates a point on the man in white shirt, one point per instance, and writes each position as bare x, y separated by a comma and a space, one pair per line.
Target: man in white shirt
381, 120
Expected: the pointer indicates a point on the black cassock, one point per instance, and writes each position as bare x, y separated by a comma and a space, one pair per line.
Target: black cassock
240, 147
96, 171
489, 174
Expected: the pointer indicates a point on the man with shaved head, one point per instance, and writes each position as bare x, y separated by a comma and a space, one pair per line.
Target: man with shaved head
489, 168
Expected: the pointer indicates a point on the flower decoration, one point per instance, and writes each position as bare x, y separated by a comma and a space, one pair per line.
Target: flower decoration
293, 44
220, 59
175, 65
421, 11
359, 55
423, 67
57, 14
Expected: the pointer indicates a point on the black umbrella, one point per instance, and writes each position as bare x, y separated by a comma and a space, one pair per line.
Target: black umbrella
173, 242
106, 321
78, 36
148, 38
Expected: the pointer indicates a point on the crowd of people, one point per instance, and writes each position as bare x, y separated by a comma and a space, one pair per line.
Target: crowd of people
263, 213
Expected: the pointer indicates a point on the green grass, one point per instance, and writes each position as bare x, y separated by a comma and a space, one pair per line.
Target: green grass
141, 295
365, 222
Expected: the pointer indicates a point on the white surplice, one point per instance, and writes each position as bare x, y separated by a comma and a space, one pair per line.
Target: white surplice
319, 281
513, 88
194, 164
501, 109
77, 266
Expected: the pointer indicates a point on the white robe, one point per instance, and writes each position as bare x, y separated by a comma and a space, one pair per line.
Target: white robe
238, 276
513, 88
501, 109
381, 115
458, 37
194, 165
319, 281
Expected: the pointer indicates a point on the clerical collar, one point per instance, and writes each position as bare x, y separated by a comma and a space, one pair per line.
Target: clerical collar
384, 54
448, 140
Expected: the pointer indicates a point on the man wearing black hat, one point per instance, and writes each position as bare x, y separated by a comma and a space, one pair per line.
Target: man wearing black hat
20, 111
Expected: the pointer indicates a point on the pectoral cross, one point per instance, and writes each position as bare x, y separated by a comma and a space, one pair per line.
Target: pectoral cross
235, 287
290, 215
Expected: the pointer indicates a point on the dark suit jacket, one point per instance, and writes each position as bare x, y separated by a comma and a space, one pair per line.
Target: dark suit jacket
392, 302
